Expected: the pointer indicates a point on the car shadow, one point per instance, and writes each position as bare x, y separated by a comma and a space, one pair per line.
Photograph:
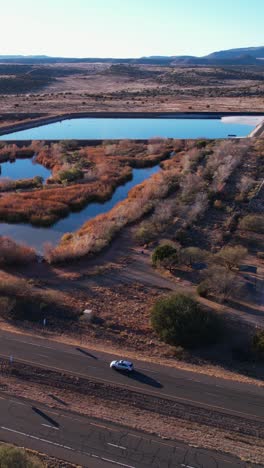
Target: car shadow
145, 379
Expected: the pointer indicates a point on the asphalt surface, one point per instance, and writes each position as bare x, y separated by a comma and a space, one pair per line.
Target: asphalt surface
238, 399
93, 444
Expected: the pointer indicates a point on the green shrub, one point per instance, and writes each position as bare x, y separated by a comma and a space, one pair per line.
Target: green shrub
6, 306
192, 255
70, 175
231, 257
260, 255
258, 344
145, 233
69, 145
203, 289
28, 183
201, 144
166, 256
38, 180
253, 223
179, 320
180, 235
11, 457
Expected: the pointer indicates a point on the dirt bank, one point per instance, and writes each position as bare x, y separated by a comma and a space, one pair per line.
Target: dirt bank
258, 132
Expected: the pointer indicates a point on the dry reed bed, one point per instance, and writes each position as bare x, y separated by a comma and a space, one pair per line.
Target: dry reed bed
95, 173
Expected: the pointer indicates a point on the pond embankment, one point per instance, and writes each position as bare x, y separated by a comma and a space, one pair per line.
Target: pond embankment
258, 131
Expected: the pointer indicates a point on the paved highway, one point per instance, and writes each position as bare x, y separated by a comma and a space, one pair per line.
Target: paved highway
187, 387
96, 444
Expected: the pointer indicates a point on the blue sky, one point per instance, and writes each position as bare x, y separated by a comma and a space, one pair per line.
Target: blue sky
129, 28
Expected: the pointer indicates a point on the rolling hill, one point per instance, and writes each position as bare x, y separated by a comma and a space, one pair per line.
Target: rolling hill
242, 56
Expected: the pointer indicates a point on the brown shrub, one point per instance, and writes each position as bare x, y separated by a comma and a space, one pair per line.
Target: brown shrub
220, 283
12, 253
254, 223
231, 256
225, 158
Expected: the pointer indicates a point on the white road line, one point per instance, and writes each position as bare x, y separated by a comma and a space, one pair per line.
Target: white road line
134, 435
51, 427
37, 438
61, 415
13, 401
117, 446
39, 364
33, 344
193, 380
153, 440
65, 447
187, 466
117, 463
18, 403
46, 347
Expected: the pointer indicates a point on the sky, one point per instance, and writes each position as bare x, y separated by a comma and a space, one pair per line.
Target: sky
128, 28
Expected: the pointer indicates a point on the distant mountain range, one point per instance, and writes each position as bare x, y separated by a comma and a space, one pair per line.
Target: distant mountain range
243, 56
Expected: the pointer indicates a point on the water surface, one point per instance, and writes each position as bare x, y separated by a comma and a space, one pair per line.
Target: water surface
135, 128
23, 169
37, 237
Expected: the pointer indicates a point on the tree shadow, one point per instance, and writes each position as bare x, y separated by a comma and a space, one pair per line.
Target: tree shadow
54, 397
188, 274
233, 352
245, 308
83, 351
46, 417
248, 268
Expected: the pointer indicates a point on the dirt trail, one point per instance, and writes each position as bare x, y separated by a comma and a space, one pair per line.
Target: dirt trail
120, 263
123, 263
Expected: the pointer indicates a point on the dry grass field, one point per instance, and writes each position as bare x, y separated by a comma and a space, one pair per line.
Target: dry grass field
61, 88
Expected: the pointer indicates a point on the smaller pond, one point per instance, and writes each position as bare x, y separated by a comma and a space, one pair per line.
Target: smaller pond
36, 237
23, 169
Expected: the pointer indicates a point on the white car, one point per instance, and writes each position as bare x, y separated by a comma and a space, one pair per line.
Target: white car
121, 365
